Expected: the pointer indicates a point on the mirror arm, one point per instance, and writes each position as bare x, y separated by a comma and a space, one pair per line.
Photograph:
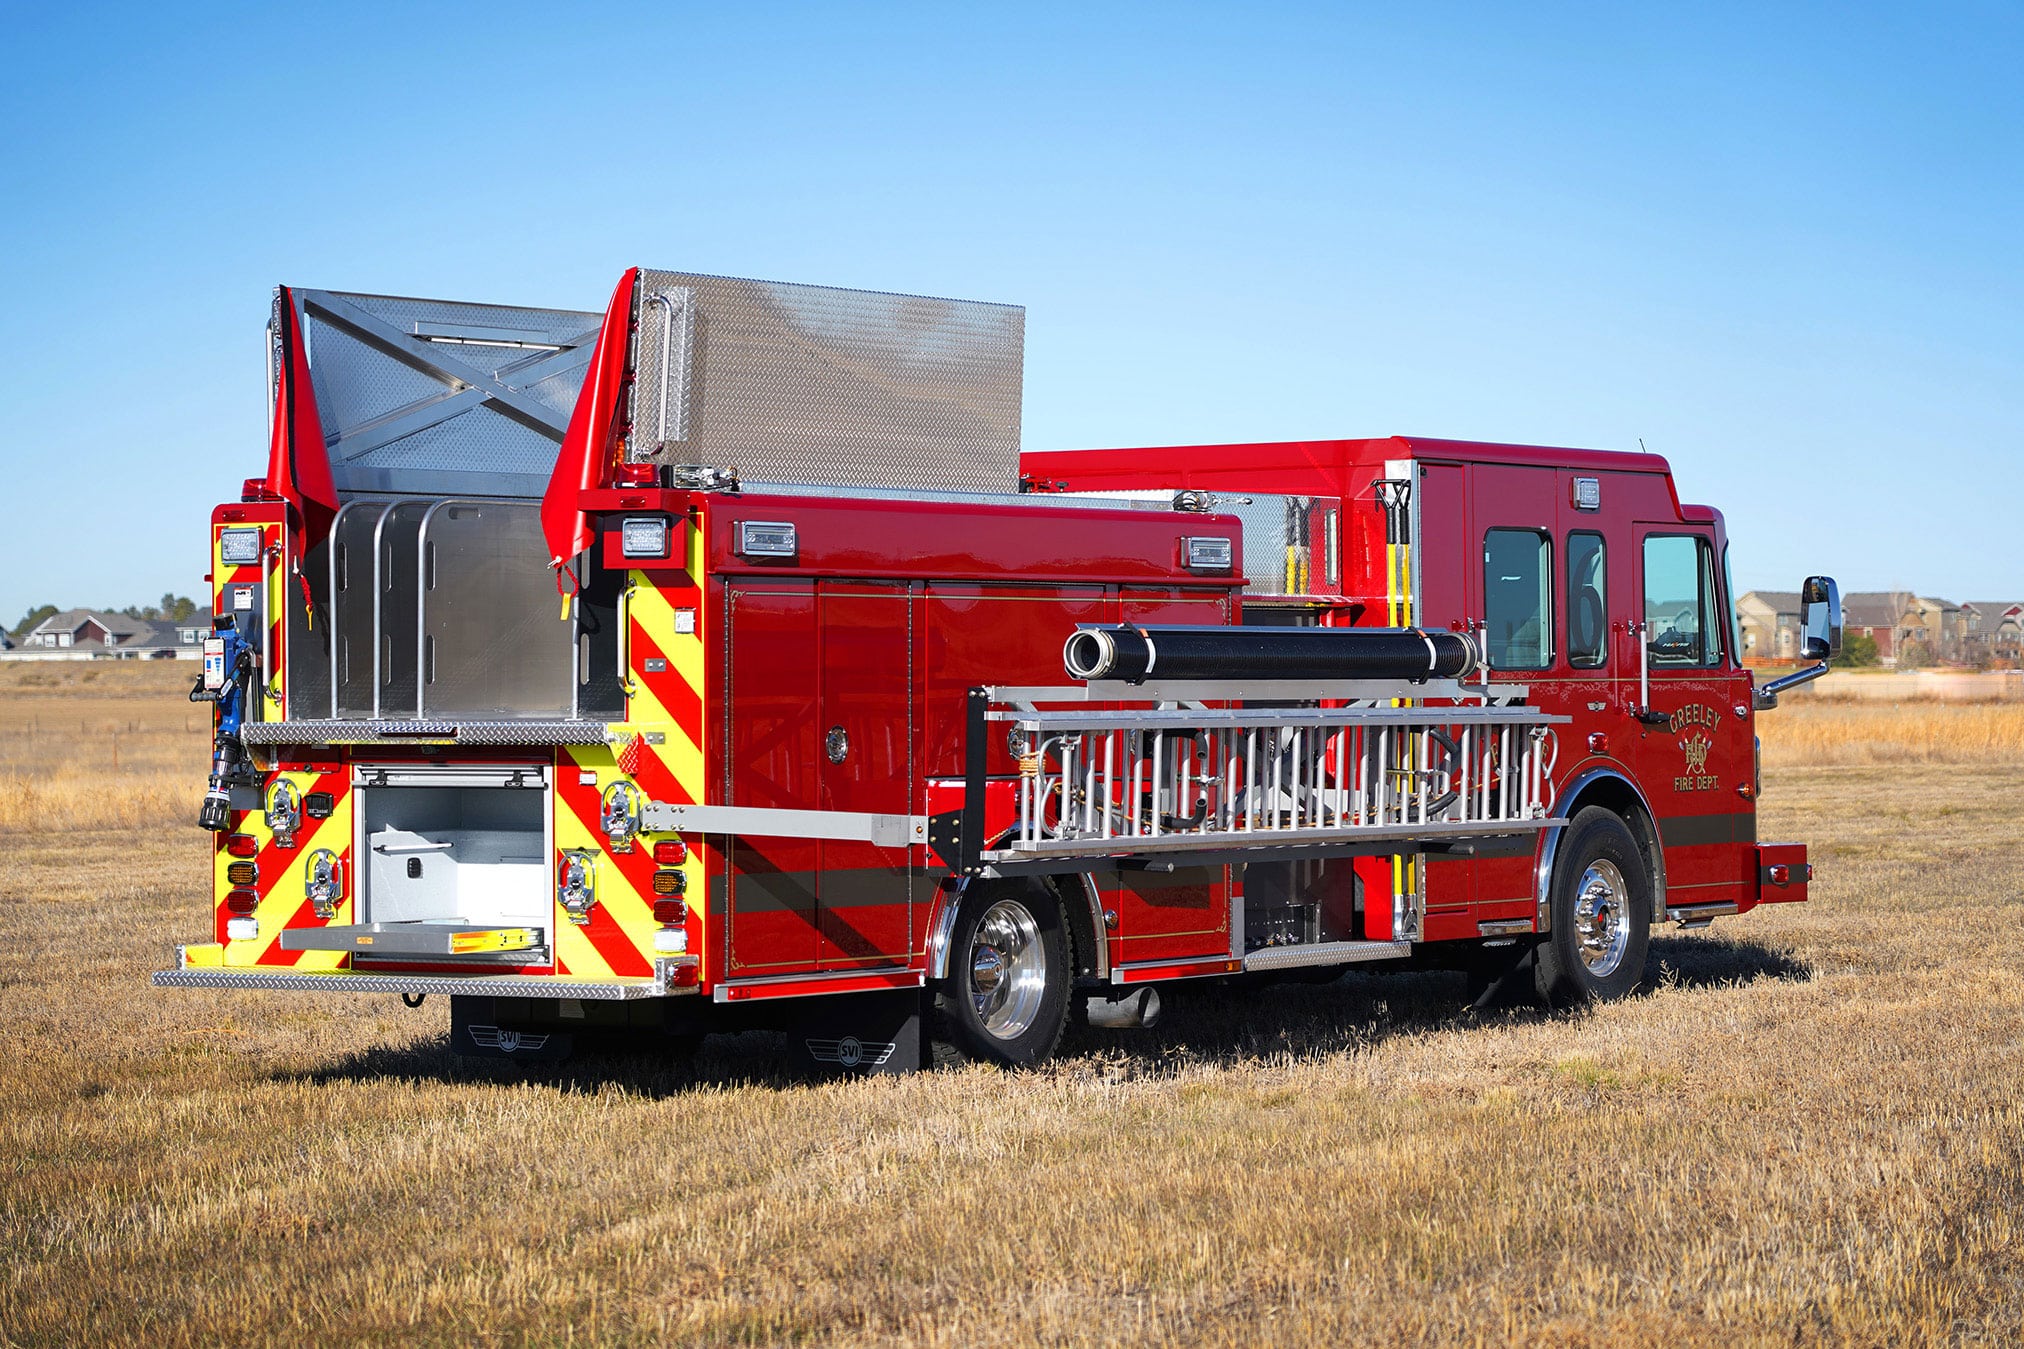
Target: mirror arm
1765, 696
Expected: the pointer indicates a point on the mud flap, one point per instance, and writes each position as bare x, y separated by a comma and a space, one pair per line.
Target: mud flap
861, 1033
476, 1031
1503, 977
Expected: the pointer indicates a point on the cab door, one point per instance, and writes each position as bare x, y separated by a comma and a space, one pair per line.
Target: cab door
1693, 751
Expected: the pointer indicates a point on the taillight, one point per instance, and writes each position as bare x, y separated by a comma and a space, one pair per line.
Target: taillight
242, 873
242, 901
242, 845
671, 852
673, 916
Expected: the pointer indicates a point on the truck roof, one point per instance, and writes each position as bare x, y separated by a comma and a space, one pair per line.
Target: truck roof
1317, 458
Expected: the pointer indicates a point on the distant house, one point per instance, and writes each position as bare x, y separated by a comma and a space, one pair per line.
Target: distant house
1895, 619
1935, 627
1875, 614
102, 634
1769, 620
1995, 629
193, 630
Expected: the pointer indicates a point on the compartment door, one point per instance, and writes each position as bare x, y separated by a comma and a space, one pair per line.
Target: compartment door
864, 761
772, 748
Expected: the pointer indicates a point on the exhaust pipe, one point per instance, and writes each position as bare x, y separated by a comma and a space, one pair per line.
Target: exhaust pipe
1132, 1010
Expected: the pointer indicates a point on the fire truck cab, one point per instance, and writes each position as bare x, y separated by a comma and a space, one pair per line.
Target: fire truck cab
719, 660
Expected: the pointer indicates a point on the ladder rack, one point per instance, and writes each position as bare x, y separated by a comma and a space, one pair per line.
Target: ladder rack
1273, 771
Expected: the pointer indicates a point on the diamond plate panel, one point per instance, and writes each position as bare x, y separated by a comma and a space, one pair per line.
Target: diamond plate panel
492, 986
814, 384
439, 397
383, 732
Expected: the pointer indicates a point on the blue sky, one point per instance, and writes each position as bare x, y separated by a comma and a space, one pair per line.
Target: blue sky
1780, 245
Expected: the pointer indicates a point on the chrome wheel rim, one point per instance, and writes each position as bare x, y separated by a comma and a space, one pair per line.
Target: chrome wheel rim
1008, 970
1602, 917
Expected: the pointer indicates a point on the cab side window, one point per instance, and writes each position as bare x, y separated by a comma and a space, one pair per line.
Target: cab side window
1518, 599
1682, 608
1587, 602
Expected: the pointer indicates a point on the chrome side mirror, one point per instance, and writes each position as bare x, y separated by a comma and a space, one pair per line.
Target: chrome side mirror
1820, 622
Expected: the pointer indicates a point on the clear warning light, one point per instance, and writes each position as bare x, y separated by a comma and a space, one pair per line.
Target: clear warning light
645, 536
239, 546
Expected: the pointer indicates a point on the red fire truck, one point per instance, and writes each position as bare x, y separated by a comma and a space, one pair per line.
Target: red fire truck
720, 660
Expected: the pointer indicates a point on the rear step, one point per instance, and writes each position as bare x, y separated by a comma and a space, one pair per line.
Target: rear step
415, 939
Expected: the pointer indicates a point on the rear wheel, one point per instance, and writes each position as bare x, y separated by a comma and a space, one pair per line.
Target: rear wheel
1601, 904
1006, 1000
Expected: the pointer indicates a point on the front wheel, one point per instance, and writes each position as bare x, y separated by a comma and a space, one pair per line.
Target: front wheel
1601, 905
1007, 995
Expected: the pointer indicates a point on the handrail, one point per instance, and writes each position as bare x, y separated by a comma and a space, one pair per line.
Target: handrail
268, 557
670, 307
624, 636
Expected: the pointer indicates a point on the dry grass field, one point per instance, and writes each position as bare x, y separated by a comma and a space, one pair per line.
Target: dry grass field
1809, 1130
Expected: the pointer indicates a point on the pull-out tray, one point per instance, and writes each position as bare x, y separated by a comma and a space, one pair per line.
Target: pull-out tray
415, 939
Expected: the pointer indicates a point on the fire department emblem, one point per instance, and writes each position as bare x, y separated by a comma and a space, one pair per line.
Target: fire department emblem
1695, 747
1695, 724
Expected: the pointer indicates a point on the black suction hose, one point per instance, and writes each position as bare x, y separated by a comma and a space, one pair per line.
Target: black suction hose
1135, 654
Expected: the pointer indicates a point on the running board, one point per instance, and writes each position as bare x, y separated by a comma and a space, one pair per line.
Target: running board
415, 939
1325, 953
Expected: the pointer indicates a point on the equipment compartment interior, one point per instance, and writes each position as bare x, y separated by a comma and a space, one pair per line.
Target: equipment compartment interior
463, 854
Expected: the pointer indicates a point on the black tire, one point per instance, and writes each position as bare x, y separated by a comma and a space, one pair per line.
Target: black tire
1006, 997
1596, 950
